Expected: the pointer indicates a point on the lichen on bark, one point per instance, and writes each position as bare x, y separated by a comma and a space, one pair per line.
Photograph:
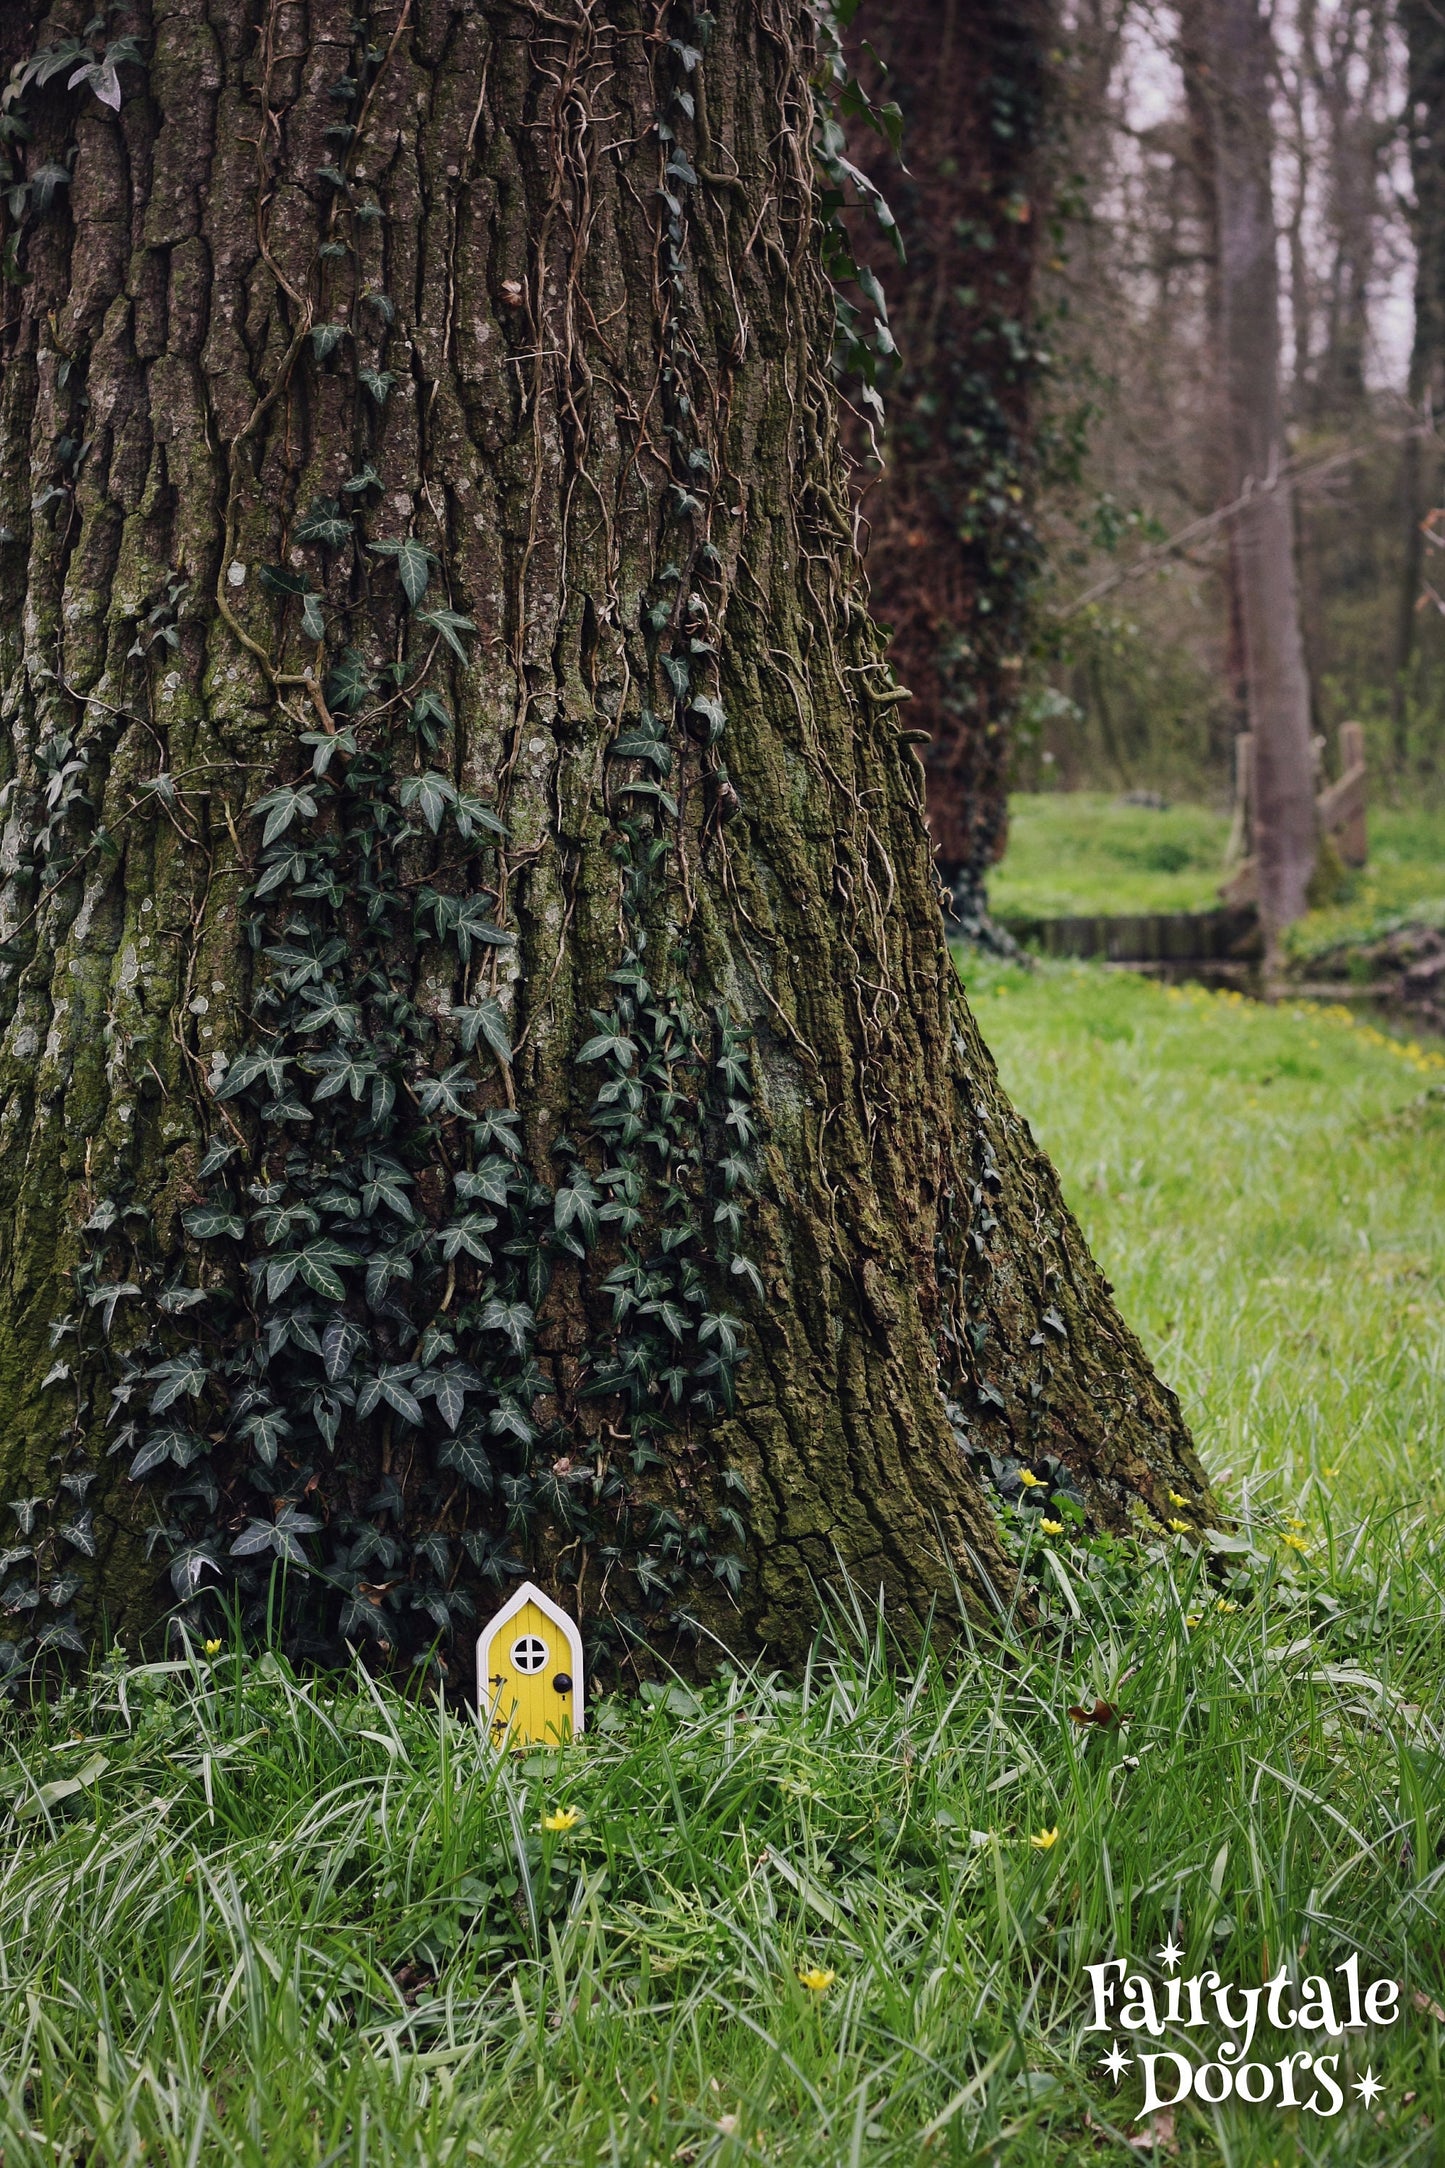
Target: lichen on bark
580, 247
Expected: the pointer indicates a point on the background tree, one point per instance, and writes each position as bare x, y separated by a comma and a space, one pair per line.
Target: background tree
950, 545
484, 1088
1143, 682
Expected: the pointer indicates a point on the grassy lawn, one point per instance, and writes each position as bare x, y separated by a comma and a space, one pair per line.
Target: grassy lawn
1082, 852
249, 1918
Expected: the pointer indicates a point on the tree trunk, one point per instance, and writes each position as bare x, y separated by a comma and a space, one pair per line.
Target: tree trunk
484, 1085
1231, 41
951, 548
1420, 458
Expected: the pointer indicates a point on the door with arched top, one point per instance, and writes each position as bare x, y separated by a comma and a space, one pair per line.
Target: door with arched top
528, 1678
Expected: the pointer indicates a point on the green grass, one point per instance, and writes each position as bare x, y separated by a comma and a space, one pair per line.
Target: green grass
247, 1918
1082, 853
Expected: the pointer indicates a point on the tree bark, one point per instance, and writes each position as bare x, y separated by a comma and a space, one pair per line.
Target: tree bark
951, 548
1231, 40
1420, 456
484, 1086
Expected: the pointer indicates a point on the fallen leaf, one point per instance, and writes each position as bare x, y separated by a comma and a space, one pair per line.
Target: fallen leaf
1427, 2008
1160, 2133
1102, 1713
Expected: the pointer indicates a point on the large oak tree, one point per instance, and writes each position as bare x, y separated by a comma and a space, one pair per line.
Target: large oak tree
483, 1085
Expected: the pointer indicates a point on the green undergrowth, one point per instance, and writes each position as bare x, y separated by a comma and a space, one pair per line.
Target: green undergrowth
248, 1917
1083, 853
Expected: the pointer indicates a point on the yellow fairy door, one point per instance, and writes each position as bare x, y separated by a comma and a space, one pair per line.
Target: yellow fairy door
529, 1671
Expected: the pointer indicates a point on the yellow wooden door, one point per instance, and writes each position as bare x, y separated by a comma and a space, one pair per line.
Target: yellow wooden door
525, 1659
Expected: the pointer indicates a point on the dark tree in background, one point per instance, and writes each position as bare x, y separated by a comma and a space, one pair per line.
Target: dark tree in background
950, 544
1424, 26
484, 1088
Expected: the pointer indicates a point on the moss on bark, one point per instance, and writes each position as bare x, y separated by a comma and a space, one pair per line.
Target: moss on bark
909, 1242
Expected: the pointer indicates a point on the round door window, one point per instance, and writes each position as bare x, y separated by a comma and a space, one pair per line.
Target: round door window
528, 1653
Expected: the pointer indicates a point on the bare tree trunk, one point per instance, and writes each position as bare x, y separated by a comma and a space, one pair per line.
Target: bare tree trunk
1232, 41
484, 1087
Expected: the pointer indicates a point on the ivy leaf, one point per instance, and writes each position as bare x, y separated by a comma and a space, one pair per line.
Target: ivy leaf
324, 522
248, 1067
469, 813
431, 792
413, 565
390, 1385
355, 485
431, 718
377, 382
350, 682
514, 1319
106, 1296
290, 802
467, 1234
339, 1071
607, 1045
485, 1019
334, 178
386, 1188
444, 1094
313, 624
281, 580
79, 1533
179, 1374
171, 1443
266, 1430
471, 1461
576, 1201
206, 1221
450, 1395
320, 1265
632, 745
341, 1343
449, 623
491, 1181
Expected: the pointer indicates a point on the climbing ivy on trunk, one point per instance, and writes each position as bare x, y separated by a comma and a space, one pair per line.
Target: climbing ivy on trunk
484, 1087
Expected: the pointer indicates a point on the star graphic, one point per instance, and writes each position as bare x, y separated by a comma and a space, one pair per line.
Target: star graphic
1116, 2062
1170, 1955
1368, 2086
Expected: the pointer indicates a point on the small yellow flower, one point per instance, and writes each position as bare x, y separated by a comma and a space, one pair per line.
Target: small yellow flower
212, 1648
1180, 1528
1291, 1522
816, 1978
1029, 1480
1177, 1498
1192, 1619
1223, 1606
1045, 1840
562, 1818
1328, 1474
1052, 1528
1295, 1543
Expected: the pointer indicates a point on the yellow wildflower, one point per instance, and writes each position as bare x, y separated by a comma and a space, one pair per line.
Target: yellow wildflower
1180, 1528
1177, 1498
1223, 1606
1052, 1528
1045, 1840
1192, 1619
212, 1648
561, 1818
1029, 1480
1295, 1543
816, 1978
